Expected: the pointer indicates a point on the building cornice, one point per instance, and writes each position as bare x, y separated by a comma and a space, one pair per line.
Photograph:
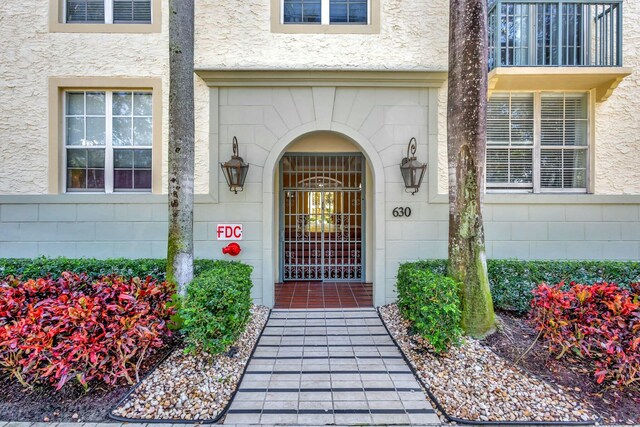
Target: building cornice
316, 78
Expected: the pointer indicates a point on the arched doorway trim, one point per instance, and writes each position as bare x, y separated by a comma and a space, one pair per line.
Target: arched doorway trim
268, 206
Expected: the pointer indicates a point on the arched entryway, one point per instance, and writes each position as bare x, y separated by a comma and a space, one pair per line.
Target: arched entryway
325, 220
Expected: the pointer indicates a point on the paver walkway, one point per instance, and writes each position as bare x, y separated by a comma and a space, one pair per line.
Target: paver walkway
328, 367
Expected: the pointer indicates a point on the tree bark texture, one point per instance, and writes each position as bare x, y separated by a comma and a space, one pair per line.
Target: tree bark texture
181, 143
466, 142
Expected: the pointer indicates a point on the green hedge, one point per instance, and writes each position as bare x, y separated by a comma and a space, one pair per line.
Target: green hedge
217, 307
512, 280
430, 301
32, 268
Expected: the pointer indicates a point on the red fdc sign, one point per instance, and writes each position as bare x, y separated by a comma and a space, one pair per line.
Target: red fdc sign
229, 231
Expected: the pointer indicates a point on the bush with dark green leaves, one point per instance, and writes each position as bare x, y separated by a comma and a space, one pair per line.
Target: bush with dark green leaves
430, 302
217, 307
33, 268
512, 281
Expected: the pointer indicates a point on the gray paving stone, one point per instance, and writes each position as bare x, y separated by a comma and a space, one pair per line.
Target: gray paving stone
281, 404
242, 419
348, 395
282, 396
315, 419
342, 419
279, 419
315, 396
391, 419
246, 404
424, 419
350, 404
316, 404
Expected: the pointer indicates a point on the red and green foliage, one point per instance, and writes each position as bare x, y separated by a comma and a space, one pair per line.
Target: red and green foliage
53, 331
599, 324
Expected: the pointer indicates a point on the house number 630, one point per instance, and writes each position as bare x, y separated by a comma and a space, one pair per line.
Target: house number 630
401, 212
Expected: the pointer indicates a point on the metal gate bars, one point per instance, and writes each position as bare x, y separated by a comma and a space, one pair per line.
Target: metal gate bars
322, 217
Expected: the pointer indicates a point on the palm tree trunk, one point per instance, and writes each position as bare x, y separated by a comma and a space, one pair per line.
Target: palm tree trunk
181, 143
466, 142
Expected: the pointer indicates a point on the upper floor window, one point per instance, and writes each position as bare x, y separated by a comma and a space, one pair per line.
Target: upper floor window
325, 12
538, 142
108, 138
108, 11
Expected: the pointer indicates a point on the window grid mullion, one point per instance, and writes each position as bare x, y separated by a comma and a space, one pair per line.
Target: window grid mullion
108, 155
537, 129
325, 15
108, 11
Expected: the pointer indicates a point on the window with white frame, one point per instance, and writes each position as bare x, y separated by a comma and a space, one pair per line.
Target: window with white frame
538, 142
108, 141
325, 12
108, 11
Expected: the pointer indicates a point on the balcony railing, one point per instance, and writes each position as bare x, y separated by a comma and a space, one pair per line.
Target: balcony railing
572, 33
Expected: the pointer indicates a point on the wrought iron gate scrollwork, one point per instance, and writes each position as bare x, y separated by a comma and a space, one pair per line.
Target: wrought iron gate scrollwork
322, 217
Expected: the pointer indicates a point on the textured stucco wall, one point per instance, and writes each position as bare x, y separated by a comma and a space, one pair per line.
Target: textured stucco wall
618, 119
30, 54
237, 34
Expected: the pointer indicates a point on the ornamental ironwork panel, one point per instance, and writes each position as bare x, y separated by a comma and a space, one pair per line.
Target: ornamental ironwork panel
322, 218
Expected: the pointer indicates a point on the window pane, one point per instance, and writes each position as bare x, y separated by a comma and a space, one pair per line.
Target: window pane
122, 104
123, 179
142, 179
95, 103
142, 105
123, 158
122, 131
95, 178
339, 12
85, 169
76, 178
95, 158
563, 168
301, 11
358, 12
142, 159
76, 158
142, 131
85, 11
75, 131
348, 11
131, 11
95, 131
75, 104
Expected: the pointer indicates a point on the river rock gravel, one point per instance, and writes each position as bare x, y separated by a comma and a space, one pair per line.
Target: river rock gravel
194, 386
474, 383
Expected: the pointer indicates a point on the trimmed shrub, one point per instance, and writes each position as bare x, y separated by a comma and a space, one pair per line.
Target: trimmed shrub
53, 331
599, 324
512, 281
217, 307
431, 303
33, 268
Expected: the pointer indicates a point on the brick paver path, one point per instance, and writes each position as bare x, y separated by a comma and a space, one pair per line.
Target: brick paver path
328, 367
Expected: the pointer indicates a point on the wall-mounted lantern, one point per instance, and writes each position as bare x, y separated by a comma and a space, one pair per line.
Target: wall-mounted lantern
412, 170
235, 170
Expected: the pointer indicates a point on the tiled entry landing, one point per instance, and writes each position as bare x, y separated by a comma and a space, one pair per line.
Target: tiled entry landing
328, 367
310, 295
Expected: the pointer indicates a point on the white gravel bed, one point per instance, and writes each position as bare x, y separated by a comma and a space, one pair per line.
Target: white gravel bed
474, 383
195, 386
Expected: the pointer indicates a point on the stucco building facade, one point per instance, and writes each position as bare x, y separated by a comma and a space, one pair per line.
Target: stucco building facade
323, 97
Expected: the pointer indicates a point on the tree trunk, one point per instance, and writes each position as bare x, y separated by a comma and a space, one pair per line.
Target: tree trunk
466, 142
181, 143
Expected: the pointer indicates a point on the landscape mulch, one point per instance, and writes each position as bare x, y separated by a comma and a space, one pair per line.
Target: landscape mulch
515, 336
72, 403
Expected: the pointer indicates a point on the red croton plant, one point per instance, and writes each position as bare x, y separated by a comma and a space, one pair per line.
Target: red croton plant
52, 331
598, 323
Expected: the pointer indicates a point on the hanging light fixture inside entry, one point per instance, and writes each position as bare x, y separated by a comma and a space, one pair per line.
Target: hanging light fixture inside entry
235, 170
412, 170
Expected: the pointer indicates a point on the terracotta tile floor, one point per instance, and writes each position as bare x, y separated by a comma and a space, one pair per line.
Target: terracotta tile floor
323, 295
